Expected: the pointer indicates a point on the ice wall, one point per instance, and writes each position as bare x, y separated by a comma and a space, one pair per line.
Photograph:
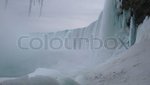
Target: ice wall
91, 31
110, 19
114, 19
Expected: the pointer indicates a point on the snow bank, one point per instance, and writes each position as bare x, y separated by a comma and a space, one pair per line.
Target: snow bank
130, 68
143, 32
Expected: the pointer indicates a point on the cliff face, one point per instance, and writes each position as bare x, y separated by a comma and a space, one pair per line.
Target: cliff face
140, 9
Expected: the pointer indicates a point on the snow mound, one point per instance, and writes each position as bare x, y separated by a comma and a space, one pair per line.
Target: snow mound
143, 31
131, 68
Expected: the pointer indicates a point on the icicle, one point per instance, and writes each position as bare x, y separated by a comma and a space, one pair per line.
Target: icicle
124, 20
6, 4
36, 2
30, 7
132, 34
41, 7
39, 1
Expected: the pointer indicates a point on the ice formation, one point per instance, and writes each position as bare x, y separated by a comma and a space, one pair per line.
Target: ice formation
6, 3
132, 34
110, 67
33, 3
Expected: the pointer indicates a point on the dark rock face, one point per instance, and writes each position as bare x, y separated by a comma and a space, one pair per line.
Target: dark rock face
140, 9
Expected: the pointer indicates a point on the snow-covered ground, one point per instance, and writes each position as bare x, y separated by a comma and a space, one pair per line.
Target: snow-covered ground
130, 68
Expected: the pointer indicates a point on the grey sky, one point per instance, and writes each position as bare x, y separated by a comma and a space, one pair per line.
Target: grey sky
56, 14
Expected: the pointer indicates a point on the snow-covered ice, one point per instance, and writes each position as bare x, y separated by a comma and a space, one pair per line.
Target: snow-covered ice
130, 68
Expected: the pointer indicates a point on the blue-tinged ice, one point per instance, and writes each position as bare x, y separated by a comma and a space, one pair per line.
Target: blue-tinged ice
132, 34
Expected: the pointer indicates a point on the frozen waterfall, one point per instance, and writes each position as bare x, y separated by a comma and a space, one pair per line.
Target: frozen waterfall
76, 56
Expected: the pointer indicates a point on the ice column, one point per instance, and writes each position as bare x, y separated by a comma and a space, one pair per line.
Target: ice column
108, 21
32, 3
112, 19
132, 35
6, 4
